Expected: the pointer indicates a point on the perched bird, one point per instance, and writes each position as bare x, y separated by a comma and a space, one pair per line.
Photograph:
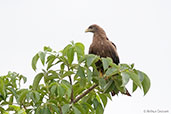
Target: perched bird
103, 47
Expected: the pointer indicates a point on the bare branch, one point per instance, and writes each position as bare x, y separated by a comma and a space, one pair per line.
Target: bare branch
85, 93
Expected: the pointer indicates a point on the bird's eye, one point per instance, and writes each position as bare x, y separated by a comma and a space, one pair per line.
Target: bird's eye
90, 27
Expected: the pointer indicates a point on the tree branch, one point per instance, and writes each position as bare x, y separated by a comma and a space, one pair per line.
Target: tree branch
70, 79
72, 96
85, 93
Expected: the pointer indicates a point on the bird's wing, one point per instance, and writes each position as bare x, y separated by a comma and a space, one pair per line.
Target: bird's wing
90, 50
107, 50
112, 52
111, 42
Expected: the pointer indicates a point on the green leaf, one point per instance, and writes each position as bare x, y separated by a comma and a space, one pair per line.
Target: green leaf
11, 99
89, 75
50, 60
134, 77
21, 111
82, 59
111, 71
61, 91
53, 89
45, 110
104, 99
140, 74
99, 109
89, 107
62, 66
109, 86
124, 66
37, 80
13, 92
22, 95
42, 57
125, 78
146, 84
83, 82
79, 47
65, 109
24, 79
90, 59
76, 111
102, 82
132, 65
134, 87
16, 108
80, 72
118, 84
67, 73
34, 61
79, 108
47, 49
65, 84
52, 75
77, 88
38, 110
70, 55
65, 50
35, 96
2, 110
106, 62
55, 108
2, 89
95, 103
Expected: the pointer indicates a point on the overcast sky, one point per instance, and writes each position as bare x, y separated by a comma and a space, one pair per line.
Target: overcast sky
141, 29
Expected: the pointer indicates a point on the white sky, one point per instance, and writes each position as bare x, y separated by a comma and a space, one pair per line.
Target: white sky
141, 29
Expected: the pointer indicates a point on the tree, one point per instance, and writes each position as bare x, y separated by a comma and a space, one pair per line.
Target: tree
68, 84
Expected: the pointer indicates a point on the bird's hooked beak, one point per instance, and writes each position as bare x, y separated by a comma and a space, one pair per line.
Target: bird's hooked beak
87, 30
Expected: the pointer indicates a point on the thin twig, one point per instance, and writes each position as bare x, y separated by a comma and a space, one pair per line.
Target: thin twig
60, 109
85, 93
22, 105
70, 79
72, 96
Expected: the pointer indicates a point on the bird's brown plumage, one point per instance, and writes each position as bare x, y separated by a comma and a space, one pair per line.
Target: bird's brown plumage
103, 47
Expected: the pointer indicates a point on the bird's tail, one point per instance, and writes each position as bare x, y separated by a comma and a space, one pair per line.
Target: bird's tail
126, 93
113, 93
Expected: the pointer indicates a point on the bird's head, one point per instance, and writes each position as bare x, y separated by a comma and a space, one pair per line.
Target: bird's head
97, 31
93, 28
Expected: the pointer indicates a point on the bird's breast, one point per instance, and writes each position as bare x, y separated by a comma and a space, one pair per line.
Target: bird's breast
99, 48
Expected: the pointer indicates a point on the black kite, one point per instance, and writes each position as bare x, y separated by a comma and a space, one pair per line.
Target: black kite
103, 47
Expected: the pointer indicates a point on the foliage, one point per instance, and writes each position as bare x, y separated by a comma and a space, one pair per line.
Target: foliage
68, 84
